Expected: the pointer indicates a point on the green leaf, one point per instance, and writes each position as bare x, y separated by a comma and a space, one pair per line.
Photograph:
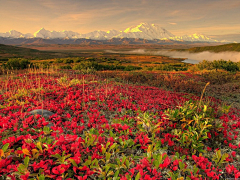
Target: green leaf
195, 169
67, 156
88, 162
46, 129
118, 161
131, 143
56, 156
41, 177
5, 147
200, 149
137, 157
123, 166
54, 142
158, 144
128, 177
219, 154
121, 141
165, 156
123, 159
41, 171
156, 164
160, 159
108, 143
39, 145
95, 161
103, 150
127, 163
26, 161
49, 141
110, 173
73, 162
108, 155
116, 173
111, 133
138, 176
224, 156
21, 168
183, 157
183, 138
187, 170
107, 167
181, 165
112, 147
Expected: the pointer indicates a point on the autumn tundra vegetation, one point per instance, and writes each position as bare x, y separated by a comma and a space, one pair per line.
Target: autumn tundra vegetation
112, 119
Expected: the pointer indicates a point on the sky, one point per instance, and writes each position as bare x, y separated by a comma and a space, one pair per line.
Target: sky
180, 17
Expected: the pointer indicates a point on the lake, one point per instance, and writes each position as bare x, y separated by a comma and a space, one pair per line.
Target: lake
191, 61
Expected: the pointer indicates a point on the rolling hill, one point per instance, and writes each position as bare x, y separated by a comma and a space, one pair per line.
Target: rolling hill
7, 51
219, 48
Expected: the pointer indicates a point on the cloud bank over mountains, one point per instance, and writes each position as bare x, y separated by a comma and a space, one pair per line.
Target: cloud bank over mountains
141, 31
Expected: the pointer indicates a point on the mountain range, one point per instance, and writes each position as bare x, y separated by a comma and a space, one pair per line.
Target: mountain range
142, 31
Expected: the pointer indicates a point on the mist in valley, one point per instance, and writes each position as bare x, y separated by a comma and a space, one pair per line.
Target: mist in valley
206, 55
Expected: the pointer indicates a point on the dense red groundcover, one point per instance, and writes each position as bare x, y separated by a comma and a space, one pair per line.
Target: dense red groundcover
96, 132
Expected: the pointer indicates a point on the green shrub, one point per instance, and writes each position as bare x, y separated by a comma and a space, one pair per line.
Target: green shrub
67, 61
59, 61
78, 60
3, 59
65, 67
194, 68
83, 65
193, 121
172, 67
17, 63
43, 65
219, 64
219, 77
102, 67
132, 68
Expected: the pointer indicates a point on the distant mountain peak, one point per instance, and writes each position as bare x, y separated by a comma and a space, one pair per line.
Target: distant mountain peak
139, 28
193, 37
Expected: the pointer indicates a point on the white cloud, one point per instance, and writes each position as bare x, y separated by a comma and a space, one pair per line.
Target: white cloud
178, 16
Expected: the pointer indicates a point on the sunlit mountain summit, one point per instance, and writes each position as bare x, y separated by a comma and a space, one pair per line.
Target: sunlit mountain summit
147, 31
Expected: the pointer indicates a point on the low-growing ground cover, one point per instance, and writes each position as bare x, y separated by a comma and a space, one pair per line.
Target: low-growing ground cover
223, 85
111, 130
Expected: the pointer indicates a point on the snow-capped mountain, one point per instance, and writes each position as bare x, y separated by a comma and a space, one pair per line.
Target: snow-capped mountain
98, 35
46, 34
141, 31
193, 37
147, 31
12, 34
